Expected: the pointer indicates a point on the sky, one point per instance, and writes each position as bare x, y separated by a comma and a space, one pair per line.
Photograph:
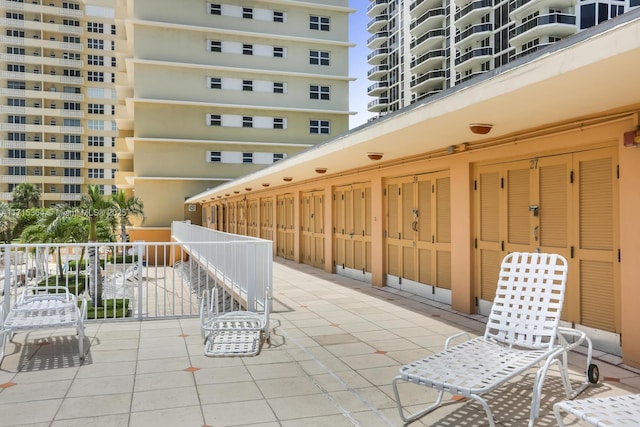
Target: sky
358, 67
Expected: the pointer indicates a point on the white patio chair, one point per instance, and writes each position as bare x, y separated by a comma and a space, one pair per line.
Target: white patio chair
39, 308
602, 411
522, 332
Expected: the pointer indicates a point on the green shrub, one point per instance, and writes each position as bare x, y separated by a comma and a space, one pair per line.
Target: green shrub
111, 308
75, 283
73, 265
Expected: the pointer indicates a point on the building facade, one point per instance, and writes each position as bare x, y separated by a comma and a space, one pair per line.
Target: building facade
57, 102
421, 47
216, 90
429, 199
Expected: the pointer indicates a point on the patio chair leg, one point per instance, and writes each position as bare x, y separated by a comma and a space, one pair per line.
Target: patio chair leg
416, 415
2, 345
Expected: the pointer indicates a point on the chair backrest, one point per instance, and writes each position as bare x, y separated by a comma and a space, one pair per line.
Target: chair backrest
528, 302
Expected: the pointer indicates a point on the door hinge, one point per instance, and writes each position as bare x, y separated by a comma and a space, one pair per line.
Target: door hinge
433, 239
501, 182
619, 255
433, 188
502, 245
385, 192
476, 301
571, 177
475, 184
475, 243
617, 171
571, 252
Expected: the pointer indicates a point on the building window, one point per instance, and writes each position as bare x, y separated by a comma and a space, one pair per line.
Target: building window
319, 127
71, 171
320, 23
247, 49
113, 61
215, 120
278, 52
95, 44
247, 85
214, 156
96, 108
15, 33
71, 22
215, 83
95, 27
317, 57
69, 5
114, 158
17, 170
71, 55
17, 154
215, 46
16, 85
16, 68
95, 173
15, 50
247, 157
22, 120
278, 87
68, 72
278, 123
247, 13
113, 30
72, 106
277, 157
278, 16
71, 188
247, 121
95, 157
73, 139
95, 60
95, 141
215, 9
69, 155
16, 102
95, 76
17, 136
319, 92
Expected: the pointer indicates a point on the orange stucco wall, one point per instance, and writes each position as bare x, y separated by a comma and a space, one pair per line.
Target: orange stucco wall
460, 167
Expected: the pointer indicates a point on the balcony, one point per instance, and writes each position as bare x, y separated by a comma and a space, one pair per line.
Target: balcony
378, 105
472, 13
36, 7
428, 61
474, 56
31, 25
418, 7
377, 88
377, 23
518, 9
149, 368
377, 56
473, 34
554, 24
377, 39
428, 41
378, 71
376, 6
428, 81
431, 20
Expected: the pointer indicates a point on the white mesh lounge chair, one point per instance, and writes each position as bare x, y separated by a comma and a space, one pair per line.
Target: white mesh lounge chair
602, 411
48, 307
522, 332
233, 333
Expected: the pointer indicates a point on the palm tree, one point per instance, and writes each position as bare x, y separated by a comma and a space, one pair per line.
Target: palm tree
127, 207
25, 195
95, 206
7, 222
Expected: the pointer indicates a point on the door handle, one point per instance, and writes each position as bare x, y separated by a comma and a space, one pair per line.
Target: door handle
535, 232
414, 225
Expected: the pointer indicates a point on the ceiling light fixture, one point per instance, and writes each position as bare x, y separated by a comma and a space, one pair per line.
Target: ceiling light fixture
480, 128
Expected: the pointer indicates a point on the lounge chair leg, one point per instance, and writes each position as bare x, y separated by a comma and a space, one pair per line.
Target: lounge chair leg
419, 414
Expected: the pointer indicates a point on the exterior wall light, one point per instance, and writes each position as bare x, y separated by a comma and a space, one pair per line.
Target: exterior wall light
480, 128
375, 156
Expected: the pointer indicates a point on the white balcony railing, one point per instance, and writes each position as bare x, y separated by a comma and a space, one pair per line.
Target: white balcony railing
146, 280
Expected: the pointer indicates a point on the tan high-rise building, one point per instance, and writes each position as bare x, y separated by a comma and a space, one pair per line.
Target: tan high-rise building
216, 90
57, 99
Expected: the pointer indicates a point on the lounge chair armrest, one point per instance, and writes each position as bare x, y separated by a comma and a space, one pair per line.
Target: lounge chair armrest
447, 343
565, 333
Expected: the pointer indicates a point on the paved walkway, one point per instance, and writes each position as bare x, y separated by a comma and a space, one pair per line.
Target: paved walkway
335, 346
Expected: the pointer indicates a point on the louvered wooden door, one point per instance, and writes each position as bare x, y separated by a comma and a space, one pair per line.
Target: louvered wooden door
285, 224
253, 221
557, 204
418, 229
312, 228
266, 218
352, 230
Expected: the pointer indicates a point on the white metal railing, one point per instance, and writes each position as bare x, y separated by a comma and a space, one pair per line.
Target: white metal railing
146, 280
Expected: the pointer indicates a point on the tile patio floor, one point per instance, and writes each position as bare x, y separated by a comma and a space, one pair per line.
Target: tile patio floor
335, 346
